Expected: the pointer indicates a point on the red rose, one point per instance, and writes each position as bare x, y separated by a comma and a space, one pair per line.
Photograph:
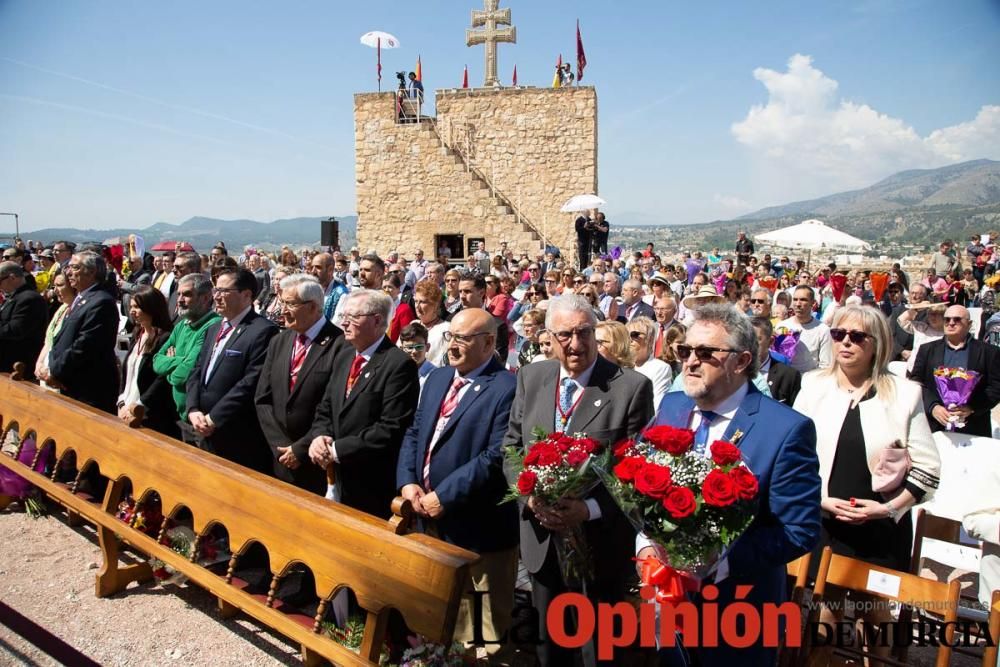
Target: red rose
576, 456
718, 489
745, 483
670, 439
588, 445
526, 482
628, 467
653, 480
564, 443
623, 448
531, 458
725, 453
679, 502
545, 455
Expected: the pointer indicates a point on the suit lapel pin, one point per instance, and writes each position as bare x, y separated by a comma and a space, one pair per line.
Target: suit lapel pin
597, 403
368, 374
476, 388
736, 436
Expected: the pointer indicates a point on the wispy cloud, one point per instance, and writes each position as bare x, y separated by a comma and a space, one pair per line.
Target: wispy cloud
169, 105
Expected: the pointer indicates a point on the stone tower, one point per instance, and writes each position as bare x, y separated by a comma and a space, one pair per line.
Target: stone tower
495, 165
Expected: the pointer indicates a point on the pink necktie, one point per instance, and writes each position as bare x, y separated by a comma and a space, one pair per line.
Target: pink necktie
447, 408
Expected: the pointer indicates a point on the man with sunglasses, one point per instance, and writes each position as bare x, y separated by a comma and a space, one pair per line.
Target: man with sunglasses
577, 392
720, 357
958, 349
760, 303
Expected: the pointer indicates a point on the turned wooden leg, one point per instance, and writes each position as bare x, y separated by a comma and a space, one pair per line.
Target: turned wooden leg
113, 577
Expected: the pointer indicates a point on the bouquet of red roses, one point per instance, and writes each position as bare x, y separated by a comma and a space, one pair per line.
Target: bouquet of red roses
692, 506
557, 467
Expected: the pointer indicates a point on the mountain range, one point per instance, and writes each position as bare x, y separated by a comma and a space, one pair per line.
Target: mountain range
203, 233
918, 207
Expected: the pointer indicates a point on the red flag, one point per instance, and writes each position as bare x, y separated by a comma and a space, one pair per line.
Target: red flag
465, 77
420, 71
581, 57
378, 46
515, 75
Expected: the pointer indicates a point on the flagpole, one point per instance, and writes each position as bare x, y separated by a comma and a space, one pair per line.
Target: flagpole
378, 69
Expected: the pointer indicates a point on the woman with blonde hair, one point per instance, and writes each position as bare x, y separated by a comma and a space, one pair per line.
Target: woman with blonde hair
862, 413
642, 341
613, 344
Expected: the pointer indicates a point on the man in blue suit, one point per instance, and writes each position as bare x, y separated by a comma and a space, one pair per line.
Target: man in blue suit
719, 402
451, 467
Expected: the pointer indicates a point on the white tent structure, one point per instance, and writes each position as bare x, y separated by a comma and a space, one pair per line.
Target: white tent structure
812, 235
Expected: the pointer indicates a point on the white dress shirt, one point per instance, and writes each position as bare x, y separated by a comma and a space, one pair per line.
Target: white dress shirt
581, 384
220, 344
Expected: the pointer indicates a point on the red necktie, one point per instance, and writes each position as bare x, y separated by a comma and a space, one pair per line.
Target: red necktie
447, 408
299, 351
659, 341
356, 366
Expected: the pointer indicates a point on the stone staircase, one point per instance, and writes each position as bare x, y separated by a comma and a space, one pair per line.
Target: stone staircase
508, 224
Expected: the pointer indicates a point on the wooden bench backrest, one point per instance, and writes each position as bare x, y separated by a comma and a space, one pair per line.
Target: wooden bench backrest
414, 574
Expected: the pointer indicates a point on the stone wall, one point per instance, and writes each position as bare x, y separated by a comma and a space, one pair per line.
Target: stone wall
536, 147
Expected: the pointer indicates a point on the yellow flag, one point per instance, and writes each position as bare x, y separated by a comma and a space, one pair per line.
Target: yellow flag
557, 79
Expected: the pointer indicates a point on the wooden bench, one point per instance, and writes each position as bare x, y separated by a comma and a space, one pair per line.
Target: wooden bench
420, 577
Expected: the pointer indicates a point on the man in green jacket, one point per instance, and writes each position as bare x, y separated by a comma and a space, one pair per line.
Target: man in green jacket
177, 357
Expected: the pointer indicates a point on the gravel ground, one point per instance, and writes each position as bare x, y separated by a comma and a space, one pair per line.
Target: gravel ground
47, 572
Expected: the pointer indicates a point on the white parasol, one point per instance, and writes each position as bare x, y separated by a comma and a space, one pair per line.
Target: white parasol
379, 40
812, 235
582, 203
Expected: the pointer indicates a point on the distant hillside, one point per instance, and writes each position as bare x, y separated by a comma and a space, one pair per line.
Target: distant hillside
203, 233
967, 184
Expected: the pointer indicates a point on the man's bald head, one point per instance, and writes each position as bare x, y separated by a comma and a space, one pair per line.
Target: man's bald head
473, 339
957, 323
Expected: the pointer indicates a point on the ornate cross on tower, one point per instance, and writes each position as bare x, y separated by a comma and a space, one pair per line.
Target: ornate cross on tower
491, 17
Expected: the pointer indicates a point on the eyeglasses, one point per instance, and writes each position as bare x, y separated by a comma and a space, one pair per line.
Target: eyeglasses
223, 290
953, 320
551, 280
416, 347
636, 335
701, 352
462, 339
294, 304
531, 294
577, 281
356, 317
758, 300
567, 336
856, 337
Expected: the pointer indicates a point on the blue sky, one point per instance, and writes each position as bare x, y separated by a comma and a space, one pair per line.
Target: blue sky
128, 113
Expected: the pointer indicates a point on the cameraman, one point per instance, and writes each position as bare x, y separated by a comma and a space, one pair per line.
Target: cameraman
585, 227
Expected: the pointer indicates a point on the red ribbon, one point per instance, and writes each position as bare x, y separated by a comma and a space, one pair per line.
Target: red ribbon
671, 585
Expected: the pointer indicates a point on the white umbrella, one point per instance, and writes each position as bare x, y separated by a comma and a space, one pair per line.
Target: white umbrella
379, 40
812, 235
582, 203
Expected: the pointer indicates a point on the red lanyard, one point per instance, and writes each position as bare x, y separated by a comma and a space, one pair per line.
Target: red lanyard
564, 417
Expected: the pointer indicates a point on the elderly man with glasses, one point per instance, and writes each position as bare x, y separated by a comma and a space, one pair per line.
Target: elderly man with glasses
577, 392
958, 349
82, 359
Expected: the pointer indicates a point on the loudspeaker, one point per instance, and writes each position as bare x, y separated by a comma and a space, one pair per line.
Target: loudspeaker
329, 232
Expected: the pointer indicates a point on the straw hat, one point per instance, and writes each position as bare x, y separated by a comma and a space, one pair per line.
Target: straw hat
705, 294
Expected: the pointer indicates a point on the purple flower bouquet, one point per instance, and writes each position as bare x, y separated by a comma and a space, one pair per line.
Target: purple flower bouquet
955, 387
13, 486
785, 341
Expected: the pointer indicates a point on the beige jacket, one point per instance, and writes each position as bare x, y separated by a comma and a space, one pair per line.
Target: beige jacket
883, 422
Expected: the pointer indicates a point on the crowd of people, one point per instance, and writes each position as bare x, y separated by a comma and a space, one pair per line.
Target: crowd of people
361, 378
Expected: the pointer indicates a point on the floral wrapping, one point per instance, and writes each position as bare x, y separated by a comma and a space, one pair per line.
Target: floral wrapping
785, 341
558, 467
692, 506
955, 387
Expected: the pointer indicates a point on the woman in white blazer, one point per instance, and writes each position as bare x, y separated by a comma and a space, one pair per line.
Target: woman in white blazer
859, 409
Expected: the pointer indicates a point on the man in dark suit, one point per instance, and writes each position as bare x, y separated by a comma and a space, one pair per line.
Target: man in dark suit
584, 226
451, 468
23, 318
294, 380
783, 381
82, 360
958, 349
719, 402
577, 392
221, 387
369, 404
632, 304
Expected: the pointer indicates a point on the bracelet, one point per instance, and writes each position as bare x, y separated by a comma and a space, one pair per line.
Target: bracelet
893, 512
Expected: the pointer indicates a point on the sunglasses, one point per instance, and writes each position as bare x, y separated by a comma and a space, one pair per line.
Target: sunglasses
857, 337
578, 282
758, 300
636, 335
953, 320
701, 352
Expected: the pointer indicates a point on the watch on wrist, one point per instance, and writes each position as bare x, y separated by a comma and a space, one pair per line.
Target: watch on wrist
893, 512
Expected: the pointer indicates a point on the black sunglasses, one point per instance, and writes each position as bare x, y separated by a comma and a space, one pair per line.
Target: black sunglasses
953, 320
702, 352
758, 300
636, 335
857, 337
